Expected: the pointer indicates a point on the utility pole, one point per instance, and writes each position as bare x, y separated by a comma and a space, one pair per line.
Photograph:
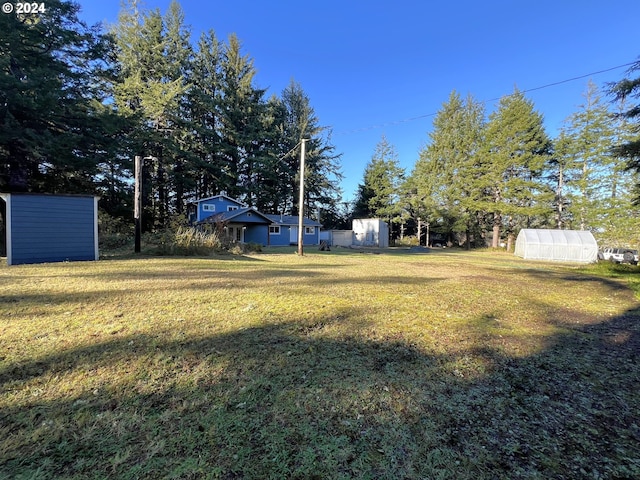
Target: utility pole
137, 202
427, 244
301, 200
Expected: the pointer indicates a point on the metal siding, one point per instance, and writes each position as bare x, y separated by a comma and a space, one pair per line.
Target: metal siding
52, 228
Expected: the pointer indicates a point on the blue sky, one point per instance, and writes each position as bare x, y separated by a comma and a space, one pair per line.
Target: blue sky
373, 68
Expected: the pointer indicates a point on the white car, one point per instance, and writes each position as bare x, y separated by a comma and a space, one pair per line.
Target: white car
619, 255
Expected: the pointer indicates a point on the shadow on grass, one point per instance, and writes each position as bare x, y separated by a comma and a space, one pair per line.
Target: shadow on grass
296, 401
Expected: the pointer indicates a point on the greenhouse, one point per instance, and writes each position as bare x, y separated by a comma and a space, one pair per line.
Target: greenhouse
557, 245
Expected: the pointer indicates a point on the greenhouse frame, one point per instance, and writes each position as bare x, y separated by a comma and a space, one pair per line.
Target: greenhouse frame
577, 246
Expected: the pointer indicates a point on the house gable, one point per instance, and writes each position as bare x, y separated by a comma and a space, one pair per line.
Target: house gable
240, 215
207, 207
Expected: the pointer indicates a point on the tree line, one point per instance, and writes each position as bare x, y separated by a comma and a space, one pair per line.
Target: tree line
77, 103
480, 179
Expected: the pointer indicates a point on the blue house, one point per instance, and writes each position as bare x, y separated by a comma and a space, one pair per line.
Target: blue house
284, 230
245, 224
50, 228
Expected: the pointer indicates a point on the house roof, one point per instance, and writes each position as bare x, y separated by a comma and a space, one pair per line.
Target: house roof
200, 200
292, 220
234, 214
265, 218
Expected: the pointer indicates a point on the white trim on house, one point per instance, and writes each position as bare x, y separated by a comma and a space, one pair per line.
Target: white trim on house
208, 207
276, 230
95, 228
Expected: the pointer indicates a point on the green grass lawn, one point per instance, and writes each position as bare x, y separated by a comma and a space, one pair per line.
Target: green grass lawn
397, 365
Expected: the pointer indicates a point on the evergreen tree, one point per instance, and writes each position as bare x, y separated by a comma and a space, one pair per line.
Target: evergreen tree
629, 147
204, 99
241, 116
322, 167
514, 154
378, 195
620, 222
270, 170
51, 92
179, 62
560, 168
447, 172
586, 146
150, 90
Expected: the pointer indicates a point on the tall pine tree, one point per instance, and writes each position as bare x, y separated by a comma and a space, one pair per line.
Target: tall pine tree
446, 173
628, 89
322, 170
586, 148
515, 151
51, 92
378, 194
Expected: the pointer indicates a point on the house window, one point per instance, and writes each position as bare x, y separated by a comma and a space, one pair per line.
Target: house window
309, 230
231, 208
208, 208
274, 230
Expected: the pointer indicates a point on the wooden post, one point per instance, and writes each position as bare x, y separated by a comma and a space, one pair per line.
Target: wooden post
419, 231
301, 200
137, 202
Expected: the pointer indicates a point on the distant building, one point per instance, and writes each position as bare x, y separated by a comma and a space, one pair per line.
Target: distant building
245, 224
365, 232
370, 232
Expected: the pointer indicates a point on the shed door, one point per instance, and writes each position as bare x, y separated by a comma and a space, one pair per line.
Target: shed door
293, 235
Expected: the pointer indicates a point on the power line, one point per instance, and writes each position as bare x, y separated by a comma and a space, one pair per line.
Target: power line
433, 114
577, 78
289, 152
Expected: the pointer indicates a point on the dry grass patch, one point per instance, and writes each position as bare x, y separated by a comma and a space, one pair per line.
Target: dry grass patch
340, 365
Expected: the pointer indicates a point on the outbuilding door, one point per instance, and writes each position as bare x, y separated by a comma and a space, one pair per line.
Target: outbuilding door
293, 235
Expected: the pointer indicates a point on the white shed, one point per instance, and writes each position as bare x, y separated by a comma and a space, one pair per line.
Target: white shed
370, 232
557, 245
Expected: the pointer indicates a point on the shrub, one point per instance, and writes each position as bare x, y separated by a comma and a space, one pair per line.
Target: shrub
184, 241
114, 232
407, 241
242, 248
